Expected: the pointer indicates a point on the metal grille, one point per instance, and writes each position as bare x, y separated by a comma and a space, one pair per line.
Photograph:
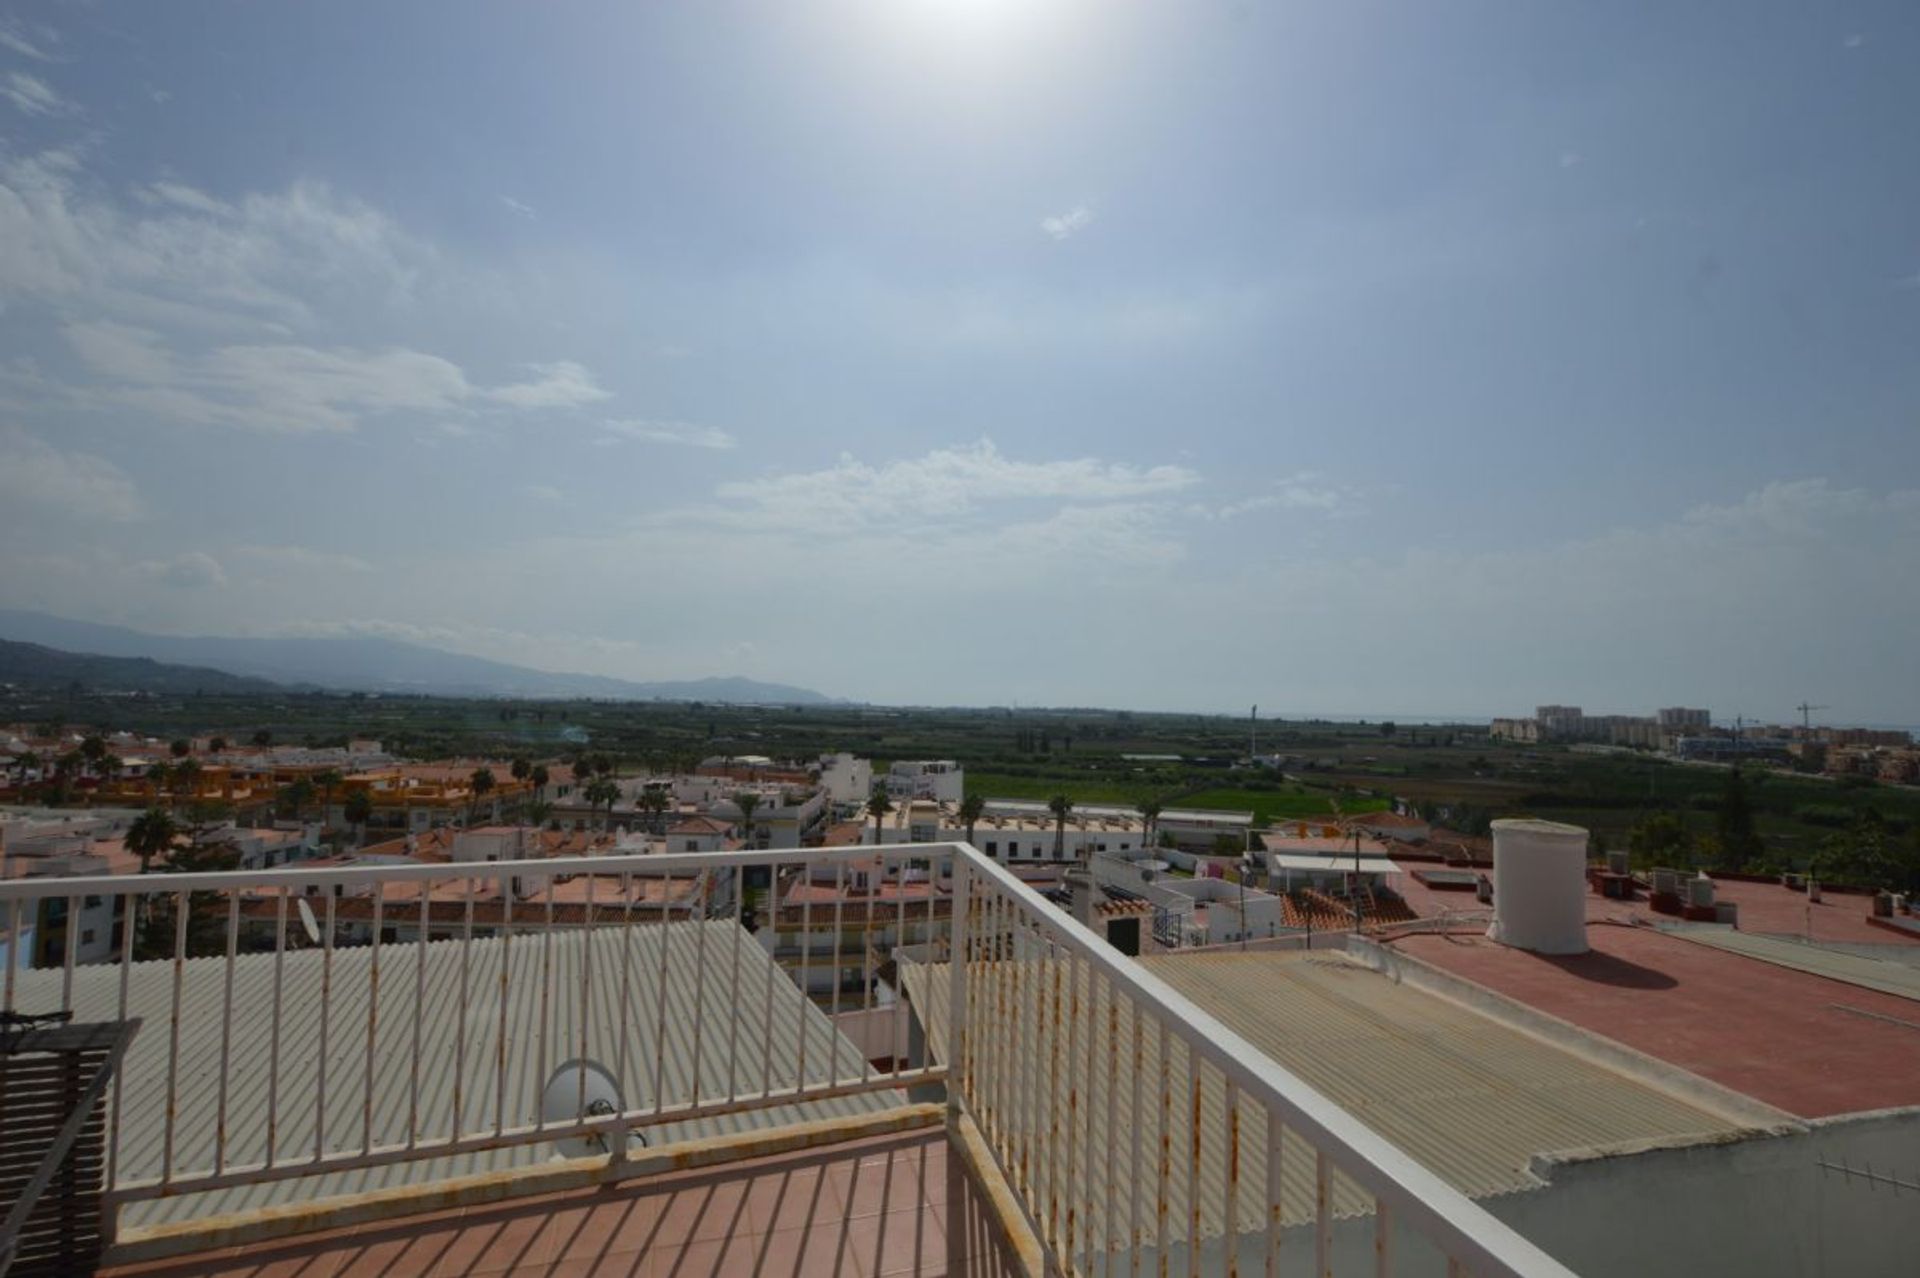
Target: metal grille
53, 1145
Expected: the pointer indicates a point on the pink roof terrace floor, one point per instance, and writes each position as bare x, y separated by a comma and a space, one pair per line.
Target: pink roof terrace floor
1807, 1044
870, 1207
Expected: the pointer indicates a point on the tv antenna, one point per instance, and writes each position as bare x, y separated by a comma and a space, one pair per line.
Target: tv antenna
579, 1089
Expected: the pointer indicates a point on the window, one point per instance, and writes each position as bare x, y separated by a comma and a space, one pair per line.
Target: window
86, 936
993, 848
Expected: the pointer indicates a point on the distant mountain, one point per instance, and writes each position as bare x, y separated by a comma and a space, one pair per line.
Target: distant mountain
367, 664
29, 665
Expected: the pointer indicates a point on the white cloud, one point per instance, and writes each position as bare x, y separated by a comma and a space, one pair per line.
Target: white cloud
944, 483
180, 258
1305, 491
14, 36
304, 557
180, 195
33, 96
292, 388
681, 433
1571, 159
1064, 226
1854, 41
564, 384
544, 492
195, 570
516, 207
81, 486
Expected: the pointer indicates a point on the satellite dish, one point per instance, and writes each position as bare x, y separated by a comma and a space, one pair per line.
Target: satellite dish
561, 1101
307, 920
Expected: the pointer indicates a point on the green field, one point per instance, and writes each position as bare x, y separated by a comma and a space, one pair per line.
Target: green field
1269, 806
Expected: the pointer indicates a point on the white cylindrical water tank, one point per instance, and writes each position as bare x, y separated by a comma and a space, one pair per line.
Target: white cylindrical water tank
1540, 886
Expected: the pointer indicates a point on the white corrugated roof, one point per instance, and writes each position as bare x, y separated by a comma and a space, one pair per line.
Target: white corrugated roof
693, 973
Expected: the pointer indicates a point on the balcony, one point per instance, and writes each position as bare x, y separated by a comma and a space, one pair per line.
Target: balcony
636, 1086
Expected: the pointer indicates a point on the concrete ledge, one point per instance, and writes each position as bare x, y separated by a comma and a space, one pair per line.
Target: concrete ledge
210, 1233
1020, 1248
1733, 1106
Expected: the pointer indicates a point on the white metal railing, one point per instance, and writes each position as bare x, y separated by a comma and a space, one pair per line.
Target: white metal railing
1141, 1134
422, 1017
1138, 1133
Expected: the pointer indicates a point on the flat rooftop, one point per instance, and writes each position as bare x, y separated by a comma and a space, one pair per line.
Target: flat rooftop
1812, 1045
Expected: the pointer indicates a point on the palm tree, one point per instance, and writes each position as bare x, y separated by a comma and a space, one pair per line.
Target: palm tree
1062, 808
1149, 810
746, 801
358, 810
601, 791
653, 801
972, 808
878, 805
186, 775
153, 833
327, 780
296, 796
582, 769
24, 762
181, 749
479, 783
538, 775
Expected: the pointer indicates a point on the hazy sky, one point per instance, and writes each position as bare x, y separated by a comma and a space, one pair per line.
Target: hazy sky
1336, 356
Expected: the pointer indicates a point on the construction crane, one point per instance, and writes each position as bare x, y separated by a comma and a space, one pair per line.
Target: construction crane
1806, 714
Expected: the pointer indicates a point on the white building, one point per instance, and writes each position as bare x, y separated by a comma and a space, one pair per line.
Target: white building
847, 778
941, 780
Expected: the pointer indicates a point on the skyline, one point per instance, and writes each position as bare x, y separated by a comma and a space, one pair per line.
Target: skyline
1179, 358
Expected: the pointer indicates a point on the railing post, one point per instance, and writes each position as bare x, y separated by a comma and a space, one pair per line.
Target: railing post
957, 986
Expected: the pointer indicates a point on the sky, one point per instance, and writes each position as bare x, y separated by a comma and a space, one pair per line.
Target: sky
1335, 356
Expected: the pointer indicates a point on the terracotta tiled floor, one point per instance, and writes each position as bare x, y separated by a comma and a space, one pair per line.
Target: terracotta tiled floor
871, 1207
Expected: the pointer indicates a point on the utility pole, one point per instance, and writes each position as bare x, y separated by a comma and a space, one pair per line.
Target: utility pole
1253, 726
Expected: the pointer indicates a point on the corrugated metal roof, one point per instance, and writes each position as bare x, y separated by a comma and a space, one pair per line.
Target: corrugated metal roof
693, 973
1471, 1099
1855, 969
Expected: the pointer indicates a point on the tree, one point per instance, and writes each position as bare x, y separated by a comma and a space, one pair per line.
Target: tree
538, 775
295, 796
217, 745
581, 769
24, 762
327, 780
479, 784
186, 779
263, 738
599, 791
195, 853
1149, 810
653, 802
602, 765
878, 805
1733, 825
358, 810
181, 749
972, 808
152, 834
1062, 807
1662, 838
747, 801
521, 768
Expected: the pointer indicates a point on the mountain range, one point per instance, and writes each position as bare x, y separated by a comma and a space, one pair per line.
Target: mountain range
356, 664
